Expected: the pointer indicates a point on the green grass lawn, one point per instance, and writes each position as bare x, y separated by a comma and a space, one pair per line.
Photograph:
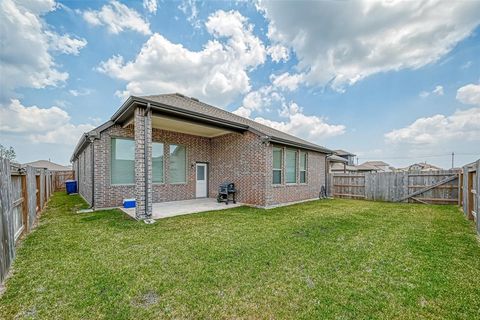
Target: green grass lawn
341, 259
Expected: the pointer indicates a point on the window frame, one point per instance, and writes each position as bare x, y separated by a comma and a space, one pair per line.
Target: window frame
281, 165
111, 162
305, 168
170, 162
163, 163
296, 166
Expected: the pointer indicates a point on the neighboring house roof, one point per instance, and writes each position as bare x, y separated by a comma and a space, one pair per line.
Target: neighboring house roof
47, 164
367, 167
376, 163
195, 110
341, 152
423, 166
335, 158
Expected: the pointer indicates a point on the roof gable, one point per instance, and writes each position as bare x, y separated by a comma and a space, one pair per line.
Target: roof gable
192, 107
182, 102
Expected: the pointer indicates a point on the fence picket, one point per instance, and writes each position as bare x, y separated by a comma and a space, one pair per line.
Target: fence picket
23, 194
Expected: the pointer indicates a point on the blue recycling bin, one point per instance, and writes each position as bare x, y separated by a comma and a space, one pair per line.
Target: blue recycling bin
71, 186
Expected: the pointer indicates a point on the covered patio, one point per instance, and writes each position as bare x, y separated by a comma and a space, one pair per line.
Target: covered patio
176, 208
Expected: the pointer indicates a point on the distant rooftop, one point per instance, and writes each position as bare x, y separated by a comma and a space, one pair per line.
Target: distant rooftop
335, 158
376, 163
341, 152
47, 164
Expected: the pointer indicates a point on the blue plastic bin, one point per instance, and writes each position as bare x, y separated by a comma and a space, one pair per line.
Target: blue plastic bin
129, 203
71, 186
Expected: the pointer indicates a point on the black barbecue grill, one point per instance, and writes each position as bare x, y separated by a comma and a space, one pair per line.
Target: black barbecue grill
226, 191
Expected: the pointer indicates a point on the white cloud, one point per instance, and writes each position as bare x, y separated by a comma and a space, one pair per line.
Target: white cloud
217, 74
189, 9
260, 100
80, 92
26, 44
243, 112
150, 5
117, 17
466, 65
342, 42
279, 53
65, 43
439, 129
438, 90
40, 125
287, 81
424, 94
312, 128
469, 94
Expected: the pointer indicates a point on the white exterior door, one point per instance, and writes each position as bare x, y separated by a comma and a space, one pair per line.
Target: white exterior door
201, 177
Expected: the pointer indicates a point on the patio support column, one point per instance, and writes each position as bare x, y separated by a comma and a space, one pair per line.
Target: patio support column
143, 162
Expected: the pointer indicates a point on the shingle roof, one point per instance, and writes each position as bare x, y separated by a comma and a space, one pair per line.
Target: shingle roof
376, 163
341, 152
47, 164
191, 104
335, 158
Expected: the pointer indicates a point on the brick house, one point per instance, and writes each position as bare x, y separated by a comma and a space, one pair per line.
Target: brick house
171, 147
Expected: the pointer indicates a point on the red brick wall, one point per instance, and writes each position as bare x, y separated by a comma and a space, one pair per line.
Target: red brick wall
282, 193
239, 158
198, 150
106, 194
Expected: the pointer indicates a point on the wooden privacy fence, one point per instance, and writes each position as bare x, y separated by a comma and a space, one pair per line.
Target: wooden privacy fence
24, 193
459, 187
59, 178
437, 187
470, 193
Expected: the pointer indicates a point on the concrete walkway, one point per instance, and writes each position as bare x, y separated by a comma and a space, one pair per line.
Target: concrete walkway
177, 208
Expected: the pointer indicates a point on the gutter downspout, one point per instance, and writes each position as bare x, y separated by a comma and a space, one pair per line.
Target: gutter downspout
92, 138
326, 174
145, 159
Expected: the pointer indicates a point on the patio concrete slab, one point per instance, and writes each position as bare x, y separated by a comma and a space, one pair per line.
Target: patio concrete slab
177, 208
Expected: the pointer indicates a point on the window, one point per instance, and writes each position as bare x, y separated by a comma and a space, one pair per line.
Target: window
178, 164
277, 165
291, 166
122, 161
303, 167
157, 162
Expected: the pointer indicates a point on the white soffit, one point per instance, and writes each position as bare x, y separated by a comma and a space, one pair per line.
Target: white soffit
177, 125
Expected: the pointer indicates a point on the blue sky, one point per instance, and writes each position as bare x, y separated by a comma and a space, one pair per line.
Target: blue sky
399, 82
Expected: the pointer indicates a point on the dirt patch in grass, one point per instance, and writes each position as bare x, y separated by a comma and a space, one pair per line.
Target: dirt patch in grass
146, 300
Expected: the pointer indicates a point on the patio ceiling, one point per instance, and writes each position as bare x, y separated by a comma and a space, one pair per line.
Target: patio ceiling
188, 127
184, 126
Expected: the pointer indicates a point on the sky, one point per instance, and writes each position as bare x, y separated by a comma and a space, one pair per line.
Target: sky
387, 80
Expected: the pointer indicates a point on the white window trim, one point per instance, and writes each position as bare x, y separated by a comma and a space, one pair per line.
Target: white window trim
163, 161
186, 164
306, 168
282, 156
296, 167
111, 166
